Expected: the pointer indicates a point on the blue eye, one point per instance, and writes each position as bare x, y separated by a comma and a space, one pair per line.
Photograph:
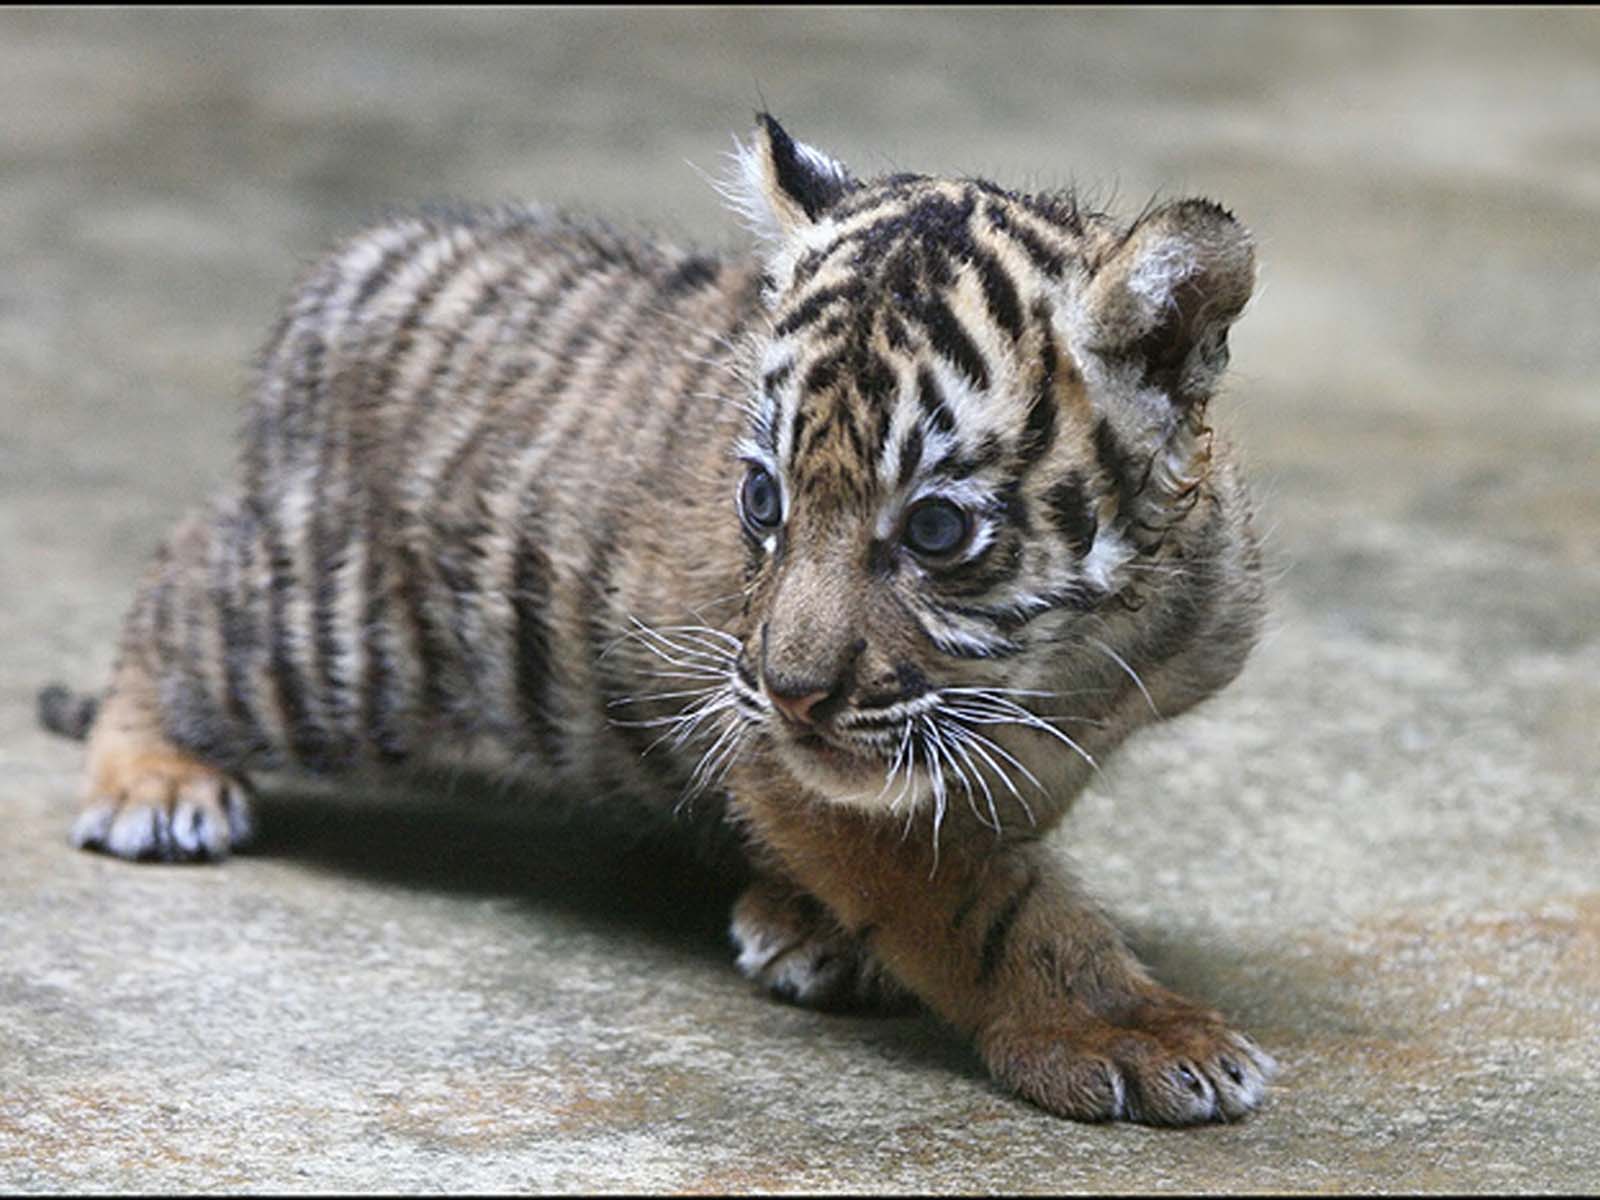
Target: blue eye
760, 499
936, 528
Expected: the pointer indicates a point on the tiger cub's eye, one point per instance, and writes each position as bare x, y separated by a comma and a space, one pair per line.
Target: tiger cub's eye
760, 500
936, 528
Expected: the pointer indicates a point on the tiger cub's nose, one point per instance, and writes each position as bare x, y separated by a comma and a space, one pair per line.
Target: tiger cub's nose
796, 705
808, 692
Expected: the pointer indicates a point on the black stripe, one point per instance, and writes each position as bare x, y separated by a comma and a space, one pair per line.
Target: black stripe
807, 266
481, 457
1188, 609
307, 742
388, 267
679, 421
990, 652
910, 455
335, 533
881, 561
530, 604
387, 705
818, 434
822, 374
797, 426
964, 909
596, 588
809, 309
933, 402
504, 383
302, 378
950, 340
1008, 619
1060, 209
996, 650
1012, 507
233, 540
894, 331
1000, 563
875, 381
994, 939
872, 239
882, 416
482, 449
955, 465
458, 542
1051, 262
775, 379
190, 710
852, 431
1071, 512
999, 292
384, 702
693, 273
1117, 464
404, 337
331, 535
1039, 431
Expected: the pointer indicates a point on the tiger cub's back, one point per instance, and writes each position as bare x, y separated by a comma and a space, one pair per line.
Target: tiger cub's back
481, 446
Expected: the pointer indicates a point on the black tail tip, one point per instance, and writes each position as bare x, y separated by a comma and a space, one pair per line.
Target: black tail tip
64, 711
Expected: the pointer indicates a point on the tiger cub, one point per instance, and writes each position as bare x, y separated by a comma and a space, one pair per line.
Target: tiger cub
887, 536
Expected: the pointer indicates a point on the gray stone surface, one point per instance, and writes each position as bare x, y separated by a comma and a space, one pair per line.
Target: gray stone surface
1377, 851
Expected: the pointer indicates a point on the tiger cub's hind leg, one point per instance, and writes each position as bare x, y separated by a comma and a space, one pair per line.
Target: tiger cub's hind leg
788, 942
146, 798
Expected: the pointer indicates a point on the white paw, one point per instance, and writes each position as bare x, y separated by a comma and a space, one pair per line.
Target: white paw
791, 946
167, 815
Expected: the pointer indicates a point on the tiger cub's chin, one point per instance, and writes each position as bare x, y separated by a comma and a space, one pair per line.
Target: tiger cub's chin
884, 535
833, 770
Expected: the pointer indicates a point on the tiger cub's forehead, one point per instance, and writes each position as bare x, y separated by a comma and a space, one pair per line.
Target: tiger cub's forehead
915, 334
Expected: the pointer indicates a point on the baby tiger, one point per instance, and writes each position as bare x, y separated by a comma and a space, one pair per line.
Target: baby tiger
887, 537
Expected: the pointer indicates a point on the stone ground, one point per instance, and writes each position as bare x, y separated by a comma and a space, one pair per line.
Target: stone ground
1378, 851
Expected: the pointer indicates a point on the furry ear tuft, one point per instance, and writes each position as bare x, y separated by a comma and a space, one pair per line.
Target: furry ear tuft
779, 185
1167, 295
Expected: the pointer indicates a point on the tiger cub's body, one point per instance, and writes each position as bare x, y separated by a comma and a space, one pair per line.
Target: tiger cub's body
448, 525
880, 542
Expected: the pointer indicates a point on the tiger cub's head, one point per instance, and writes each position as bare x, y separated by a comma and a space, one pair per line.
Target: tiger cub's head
989, 530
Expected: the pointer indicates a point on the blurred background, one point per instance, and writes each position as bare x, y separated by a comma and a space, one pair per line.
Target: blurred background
1376, 851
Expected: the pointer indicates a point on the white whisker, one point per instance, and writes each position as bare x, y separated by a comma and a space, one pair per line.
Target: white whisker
1132, 674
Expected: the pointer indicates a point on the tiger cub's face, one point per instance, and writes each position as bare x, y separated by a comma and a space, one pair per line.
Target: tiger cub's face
975, 414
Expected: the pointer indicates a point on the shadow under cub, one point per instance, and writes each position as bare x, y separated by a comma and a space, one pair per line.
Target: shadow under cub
470, 839
658, 883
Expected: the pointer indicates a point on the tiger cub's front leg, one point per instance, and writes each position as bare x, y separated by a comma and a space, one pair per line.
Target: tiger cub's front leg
1001, 944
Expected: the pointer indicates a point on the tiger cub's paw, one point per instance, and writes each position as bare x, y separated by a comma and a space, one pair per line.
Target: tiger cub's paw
1163, 1065
790, 944
159, 804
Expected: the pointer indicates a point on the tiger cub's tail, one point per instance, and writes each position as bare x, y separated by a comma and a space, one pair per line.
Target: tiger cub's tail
64, 711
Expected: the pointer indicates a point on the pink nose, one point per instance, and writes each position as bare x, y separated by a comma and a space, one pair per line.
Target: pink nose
796, 708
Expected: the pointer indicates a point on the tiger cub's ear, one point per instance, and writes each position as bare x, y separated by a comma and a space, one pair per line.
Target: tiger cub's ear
1162, 299
780, 185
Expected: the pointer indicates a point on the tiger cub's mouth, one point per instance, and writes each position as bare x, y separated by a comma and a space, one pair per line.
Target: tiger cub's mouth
828, 765
857, 749
831, 753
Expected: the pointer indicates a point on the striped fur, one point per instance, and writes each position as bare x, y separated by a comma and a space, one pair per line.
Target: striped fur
642, 520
